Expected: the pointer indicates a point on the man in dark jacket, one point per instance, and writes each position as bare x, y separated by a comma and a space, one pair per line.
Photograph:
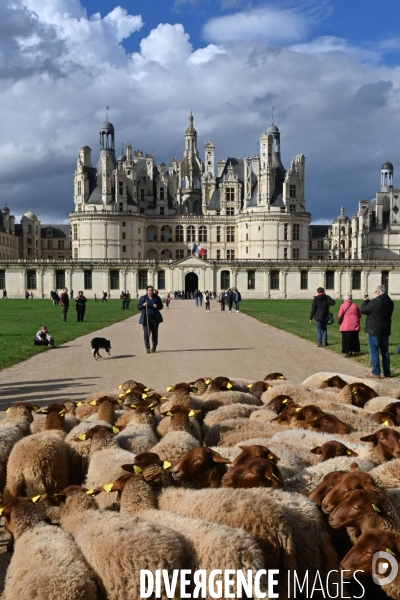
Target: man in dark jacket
150, 305
379, 320
320, 312
64, 301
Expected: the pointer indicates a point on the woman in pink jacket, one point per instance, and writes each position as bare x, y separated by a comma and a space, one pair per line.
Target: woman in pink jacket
350, 316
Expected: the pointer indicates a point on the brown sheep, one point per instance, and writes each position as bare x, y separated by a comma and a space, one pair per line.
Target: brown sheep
255, 472
55, 416
329, 482
288, 413
331, 449
278, 403
357, 394
354, 480
385, 418
333, 382
203, 465
365, 509
273, 376
309, 413
385, 442
258, 388
254, 451
330, 424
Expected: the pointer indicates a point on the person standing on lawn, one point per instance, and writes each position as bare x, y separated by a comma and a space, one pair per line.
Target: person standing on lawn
64, 301
80, 306
349, 320
378, 326
320, 312
150, 305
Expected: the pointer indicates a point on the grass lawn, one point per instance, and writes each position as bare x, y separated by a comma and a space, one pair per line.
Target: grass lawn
293, 316
21, 320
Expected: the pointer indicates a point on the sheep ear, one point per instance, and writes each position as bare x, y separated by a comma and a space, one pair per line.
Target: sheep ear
128, 468
151, 476
316, 450
42, 411
354, 467
351, 453
217, 458
370, 438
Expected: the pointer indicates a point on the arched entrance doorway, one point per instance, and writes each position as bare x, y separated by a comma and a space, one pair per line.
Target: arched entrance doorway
191, 282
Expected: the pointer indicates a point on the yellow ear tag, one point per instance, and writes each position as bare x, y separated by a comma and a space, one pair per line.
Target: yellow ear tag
207, 381
385, 423
273, 475
278, 420
249, 385
120, 401
270, 457
121, 395
229, 385
137, 469
8, 409
116, 430
297, 409
35, 408
128, 391
82, 437
194, 389
164, 398
358, 469
348, 452
376, 508
133, 405
166, 464
144, 396
44, 410
169, 414
354, 391
268, 477
191, 414
93, 403
284, 401
281, 377
151, 405
390, 551
79, 403
35, 498
169, 388
145, 389
1, 511
89, 492
108, 487
120, 386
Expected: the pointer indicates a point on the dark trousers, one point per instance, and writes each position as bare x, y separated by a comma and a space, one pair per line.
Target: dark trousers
230, 305
104, 299
39, 342
153, 326
80, 313
64, 313
222, 304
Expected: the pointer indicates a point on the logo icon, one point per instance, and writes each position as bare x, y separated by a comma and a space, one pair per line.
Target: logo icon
384, 571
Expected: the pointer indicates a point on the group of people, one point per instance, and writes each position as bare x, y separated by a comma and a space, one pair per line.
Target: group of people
230, 296
125, 297
378, 312
181, 295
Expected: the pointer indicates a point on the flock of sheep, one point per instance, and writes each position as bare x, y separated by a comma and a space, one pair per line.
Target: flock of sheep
213, 474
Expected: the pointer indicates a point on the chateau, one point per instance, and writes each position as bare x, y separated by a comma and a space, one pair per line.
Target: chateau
135, 222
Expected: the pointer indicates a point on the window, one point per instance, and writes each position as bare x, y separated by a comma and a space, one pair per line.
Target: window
75, 231
60, 244
202, 233
123, 235
123, 248
385, 280
274, 280
247, 237
162, 210
230, 211
285, 253
296, 253
292, 191
31, 280
247, 249
356, 280
218, 254
121, 207
217, 212
29, 229
121, 188
161, 280
230, 254
29, 251
296, 231
87, 280
142, 280
49, 244
230, 194
2, 280
218, 233
75, 253
124, 224
179, 254
292, 208
304, 280
114, 280
79, 188
310, 244
330, 245
320, 245
29, 240
251, 280
225, 280
230, 234
60, 279
162, 196
191, 233
285, 231
179, 233
330, 280
61, 257
142, 195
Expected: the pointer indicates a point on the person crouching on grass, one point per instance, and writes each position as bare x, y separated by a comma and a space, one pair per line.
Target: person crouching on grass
43, 338
150, 305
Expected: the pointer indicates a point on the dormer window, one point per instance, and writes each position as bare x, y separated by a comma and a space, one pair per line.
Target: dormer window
230, 194
49, 232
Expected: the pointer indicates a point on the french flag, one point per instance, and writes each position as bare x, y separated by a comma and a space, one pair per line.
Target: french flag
198, 250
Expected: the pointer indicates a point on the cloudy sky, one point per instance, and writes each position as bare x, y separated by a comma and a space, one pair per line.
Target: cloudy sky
330, 68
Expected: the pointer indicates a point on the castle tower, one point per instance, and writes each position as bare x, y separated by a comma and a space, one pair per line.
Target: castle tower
386, 177
209, 157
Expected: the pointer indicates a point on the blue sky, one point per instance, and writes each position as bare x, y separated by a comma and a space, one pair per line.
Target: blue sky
331, 69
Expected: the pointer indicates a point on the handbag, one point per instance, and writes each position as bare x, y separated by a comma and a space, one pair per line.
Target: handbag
340, 321
330, 320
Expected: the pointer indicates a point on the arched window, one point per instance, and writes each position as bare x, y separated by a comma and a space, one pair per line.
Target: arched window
225, 280
202, 233
342, 231
179, 233
161, 280
191, 232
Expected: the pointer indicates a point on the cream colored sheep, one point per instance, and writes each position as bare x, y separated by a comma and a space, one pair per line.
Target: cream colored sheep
223, 413
174, 445
13, 428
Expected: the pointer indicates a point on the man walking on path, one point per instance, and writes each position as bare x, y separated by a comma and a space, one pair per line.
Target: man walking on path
222, 298
379, 320
196, 297
229, 299
64, 301
150, 305
237, 297
320, 312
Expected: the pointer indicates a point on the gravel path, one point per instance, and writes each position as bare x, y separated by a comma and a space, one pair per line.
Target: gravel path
192, 344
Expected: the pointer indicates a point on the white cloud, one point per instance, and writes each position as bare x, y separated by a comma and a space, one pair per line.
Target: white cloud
166, 44
271, 24
205, 55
